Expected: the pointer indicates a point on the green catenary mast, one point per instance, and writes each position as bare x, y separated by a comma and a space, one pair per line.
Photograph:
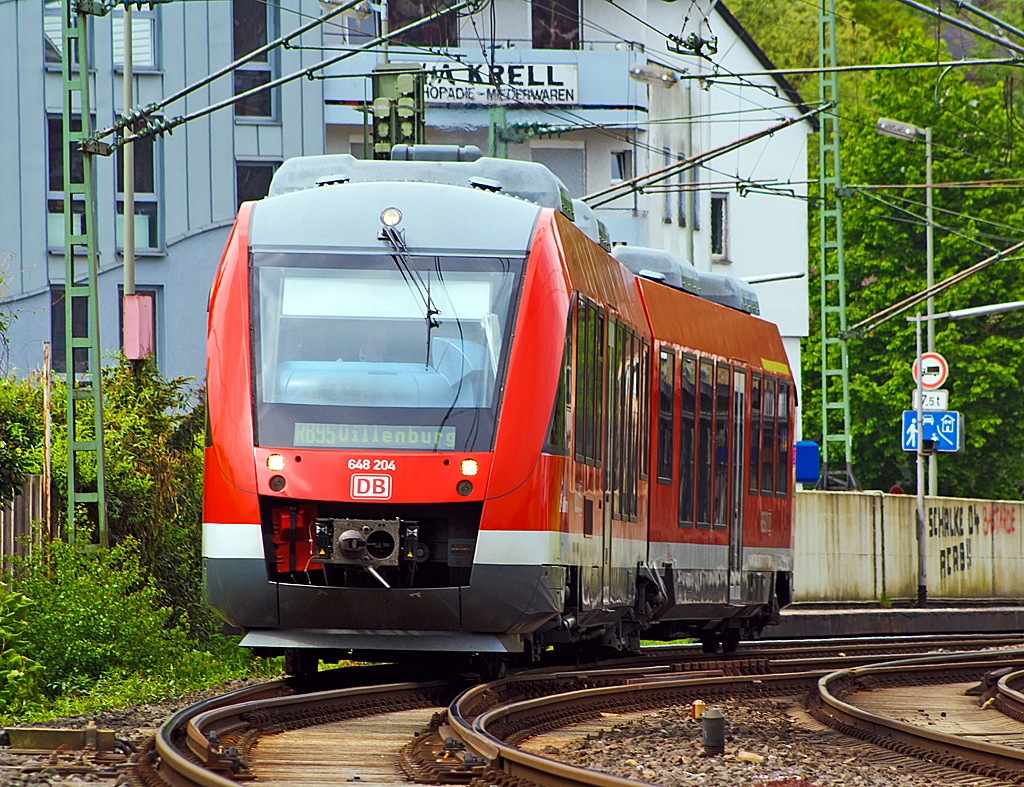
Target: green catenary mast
82, 353
836, 446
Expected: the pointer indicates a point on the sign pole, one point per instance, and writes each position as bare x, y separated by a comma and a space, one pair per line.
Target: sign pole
922, 544
933, 460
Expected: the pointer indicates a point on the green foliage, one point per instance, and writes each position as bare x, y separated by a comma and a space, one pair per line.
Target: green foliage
95, 612
973, 116
21, 678
21, 432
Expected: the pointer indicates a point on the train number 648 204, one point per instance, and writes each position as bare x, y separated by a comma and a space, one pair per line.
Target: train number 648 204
371, 464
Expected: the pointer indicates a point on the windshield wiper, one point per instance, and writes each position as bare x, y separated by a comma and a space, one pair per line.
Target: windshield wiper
413, 277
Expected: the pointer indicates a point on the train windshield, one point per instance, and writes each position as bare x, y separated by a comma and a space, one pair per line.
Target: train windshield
380, 352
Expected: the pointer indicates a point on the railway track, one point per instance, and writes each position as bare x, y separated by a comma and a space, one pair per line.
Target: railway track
476, 735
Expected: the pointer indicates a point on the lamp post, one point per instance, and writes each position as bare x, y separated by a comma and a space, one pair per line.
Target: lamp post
910, 133
958, 314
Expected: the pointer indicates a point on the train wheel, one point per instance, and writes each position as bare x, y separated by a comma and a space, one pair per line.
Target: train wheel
730, 640
301, 662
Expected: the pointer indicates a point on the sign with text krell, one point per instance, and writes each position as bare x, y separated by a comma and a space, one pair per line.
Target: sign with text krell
510, 83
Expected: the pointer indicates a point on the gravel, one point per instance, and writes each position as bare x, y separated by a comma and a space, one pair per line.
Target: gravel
765, 745
132, 724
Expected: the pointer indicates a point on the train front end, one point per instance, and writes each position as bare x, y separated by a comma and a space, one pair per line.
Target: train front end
360, 339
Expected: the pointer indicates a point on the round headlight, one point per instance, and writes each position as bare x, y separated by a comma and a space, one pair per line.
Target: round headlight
275, 462
389, 217
277, 482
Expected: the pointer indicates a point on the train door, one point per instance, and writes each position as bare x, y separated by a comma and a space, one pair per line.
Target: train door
739, 405
613, 465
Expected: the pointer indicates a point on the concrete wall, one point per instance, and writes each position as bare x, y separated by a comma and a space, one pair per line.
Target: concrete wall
857, 546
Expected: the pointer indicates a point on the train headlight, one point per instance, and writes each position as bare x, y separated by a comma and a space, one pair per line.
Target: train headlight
464, 487
389, 217
277, 483
470, 467
275, 463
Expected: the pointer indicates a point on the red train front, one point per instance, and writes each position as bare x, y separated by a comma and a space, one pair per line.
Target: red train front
442, 418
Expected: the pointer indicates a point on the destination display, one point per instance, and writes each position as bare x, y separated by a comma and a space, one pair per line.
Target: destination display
398, 438
510, 83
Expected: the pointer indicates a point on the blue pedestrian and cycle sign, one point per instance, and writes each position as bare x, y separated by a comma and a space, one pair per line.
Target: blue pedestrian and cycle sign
944, 429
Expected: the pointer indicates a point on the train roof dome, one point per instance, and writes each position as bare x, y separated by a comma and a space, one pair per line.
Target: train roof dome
729, 291
677, 272
592, 226
526, 180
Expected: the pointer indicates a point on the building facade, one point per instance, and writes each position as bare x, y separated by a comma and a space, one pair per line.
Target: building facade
546, 80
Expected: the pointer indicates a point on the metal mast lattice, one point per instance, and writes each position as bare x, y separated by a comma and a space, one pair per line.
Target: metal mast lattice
82, 352
835, 376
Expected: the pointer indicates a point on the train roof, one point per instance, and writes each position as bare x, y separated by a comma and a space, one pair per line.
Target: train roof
674, 271
526, 180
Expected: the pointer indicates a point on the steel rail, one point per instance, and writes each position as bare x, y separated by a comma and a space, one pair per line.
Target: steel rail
555, 710
843, 682
234, 713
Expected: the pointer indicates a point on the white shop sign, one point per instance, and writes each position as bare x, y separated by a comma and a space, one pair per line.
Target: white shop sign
511, 83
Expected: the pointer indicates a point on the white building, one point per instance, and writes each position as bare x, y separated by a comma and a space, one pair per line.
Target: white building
568, 61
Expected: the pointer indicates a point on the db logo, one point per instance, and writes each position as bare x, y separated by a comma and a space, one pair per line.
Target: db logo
376, 487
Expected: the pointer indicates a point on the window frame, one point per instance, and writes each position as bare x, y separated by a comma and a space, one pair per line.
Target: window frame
270, 67
769, 433
254, 163
687, 469
666, 413
138, 15
754, 437
738, 448
574, 44
705, 444
719, 236
721, 472
782, 449
152, 199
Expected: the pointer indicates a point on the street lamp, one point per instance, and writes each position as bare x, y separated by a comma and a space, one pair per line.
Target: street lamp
653, 75
910, 133
958, 314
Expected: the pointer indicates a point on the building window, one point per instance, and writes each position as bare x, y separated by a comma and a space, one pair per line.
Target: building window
439, 32
53, 35
253, 26
55, 181
622, 165
720, 227
79, 330
556, 24
147, 213
143, 41
667, 212
252, 181
683, 178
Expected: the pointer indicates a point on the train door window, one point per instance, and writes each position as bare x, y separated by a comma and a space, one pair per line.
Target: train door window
739, 411
558, 435
633, 441
598, 379
723, 378
768, 436
582, 402
782, 463
687, 433
705, 441
666, 400
645, 407
755, 431
613, 466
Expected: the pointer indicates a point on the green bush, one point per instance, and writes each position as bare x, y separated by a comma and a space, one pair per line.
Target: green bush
21, 678
96, 612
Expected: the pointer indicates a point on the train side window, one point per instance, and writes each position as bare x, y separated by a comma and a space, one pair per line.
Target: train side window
580, 430
666, 426
633, 416
645, 408
723, 379
558, 435
592, 378
768, 437
782, 463
739, 412
687, 433
705, 441
755, 432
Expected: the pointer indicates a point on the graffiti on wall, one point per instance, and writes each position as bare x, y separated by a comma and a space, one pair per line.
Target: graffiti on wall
960, 522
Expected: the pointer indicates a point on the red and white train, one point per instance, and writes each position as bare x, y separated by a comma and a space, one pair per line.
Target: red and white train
443, 418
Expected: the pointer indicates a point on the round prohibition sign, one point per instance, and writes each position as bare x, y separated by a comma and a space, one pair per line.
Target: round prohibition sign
936, 370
